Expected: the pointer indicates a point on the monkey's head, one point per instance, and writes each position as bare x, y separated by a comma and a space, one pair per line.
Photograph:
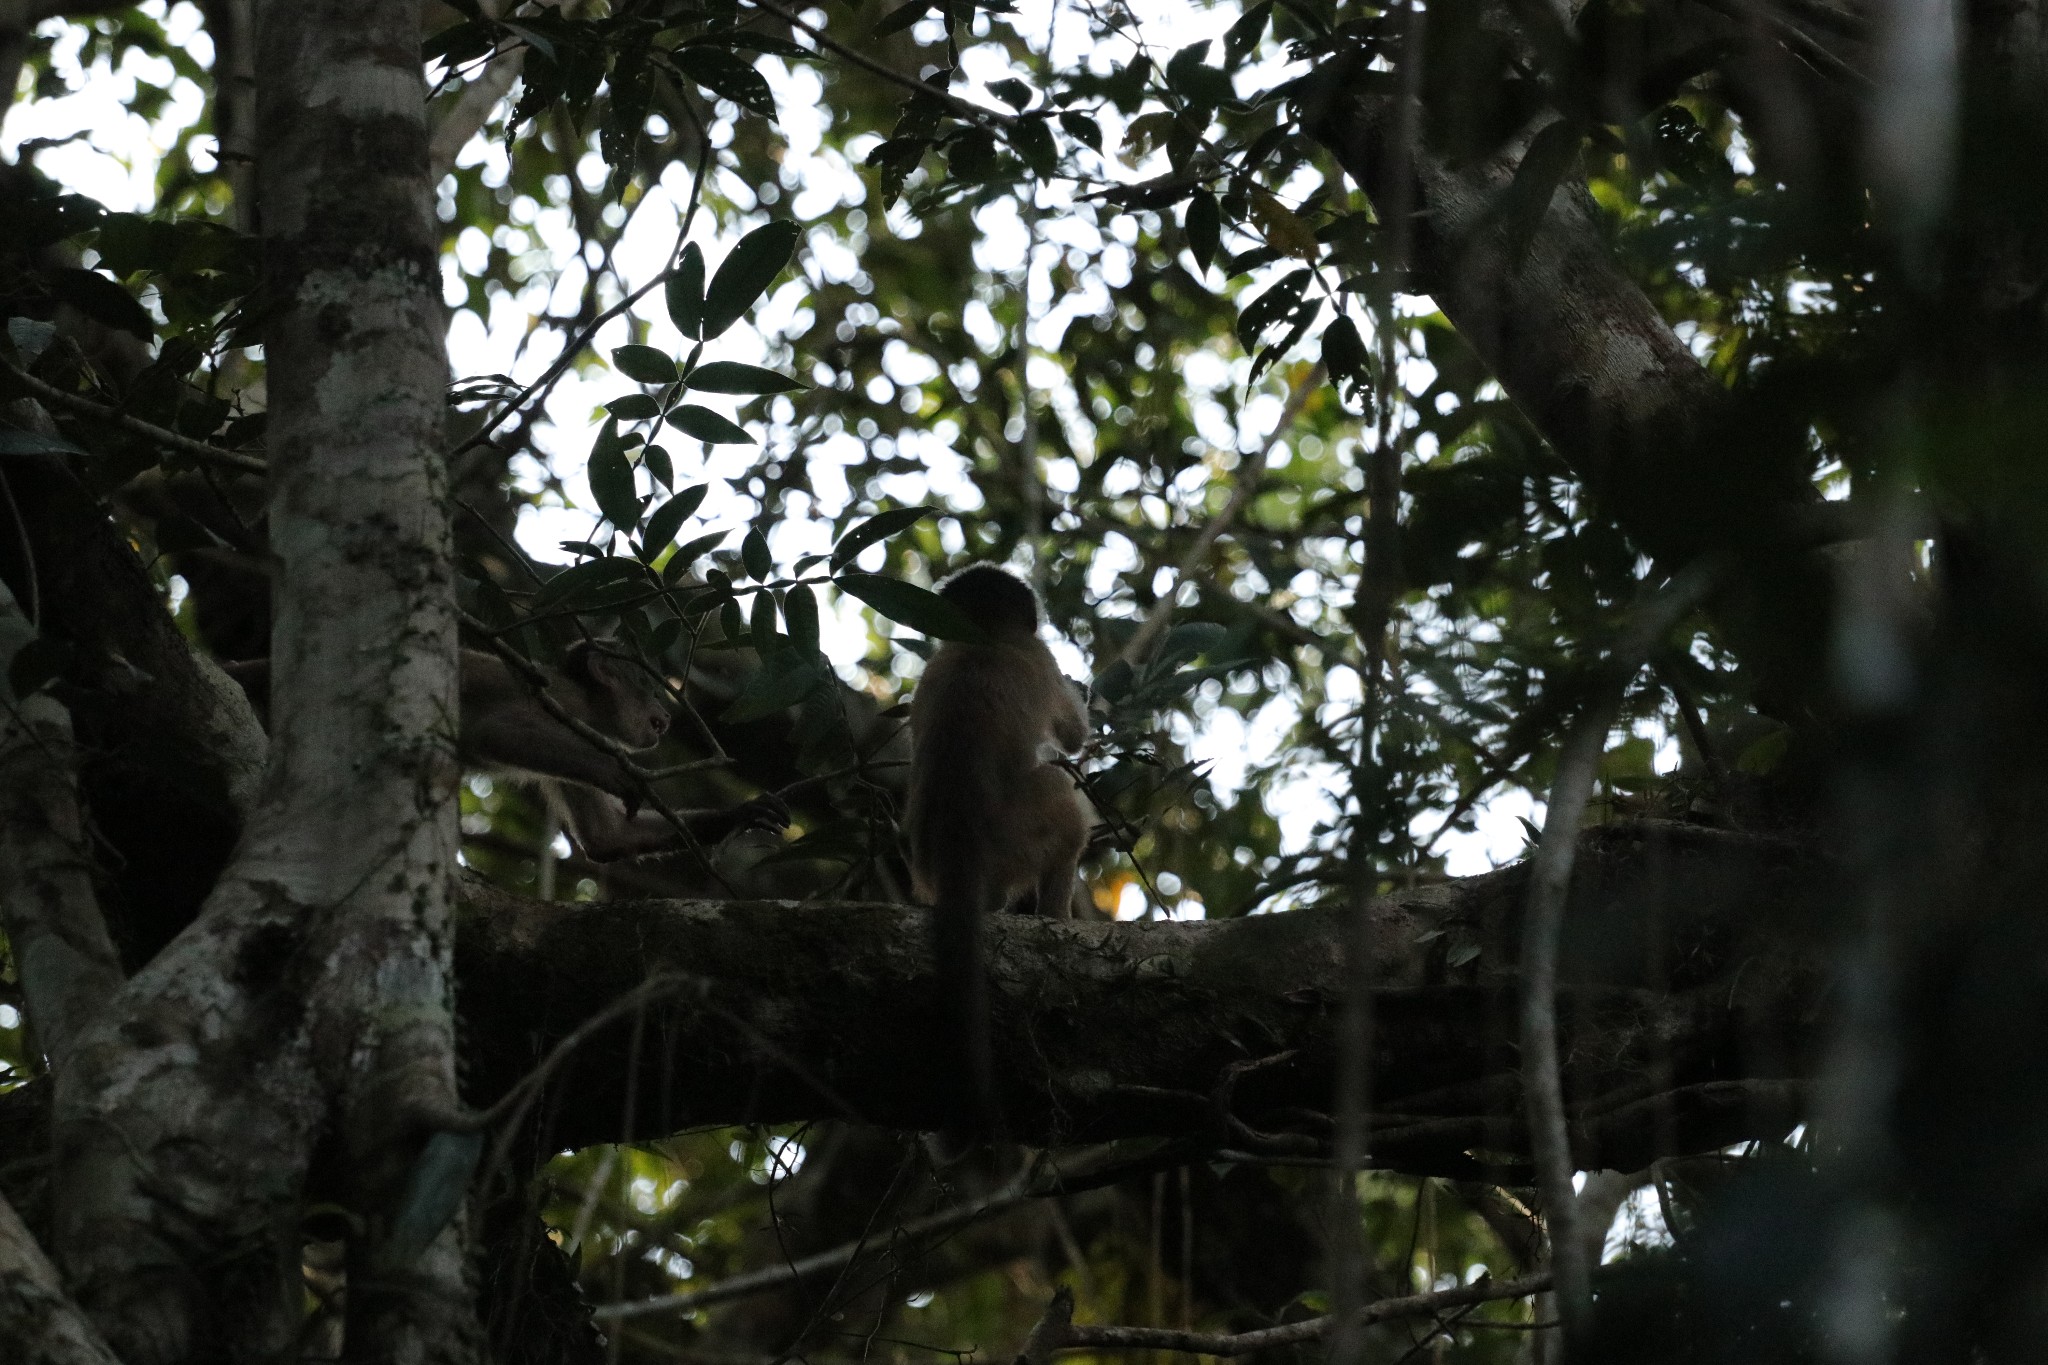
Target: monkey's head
995, 599
625, 701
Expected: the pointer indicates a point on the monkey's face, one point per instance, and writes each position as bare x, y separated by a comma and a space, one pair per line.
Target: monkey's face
642, 717
631, 706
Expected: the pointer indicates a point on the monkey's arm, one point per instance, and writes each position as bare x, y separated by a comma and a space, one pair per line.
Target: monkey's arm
1069, 720
606, 832
519, 734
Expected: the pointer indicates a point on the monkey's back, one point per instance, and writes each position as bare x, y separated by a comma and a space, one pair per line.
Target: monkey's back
985, 810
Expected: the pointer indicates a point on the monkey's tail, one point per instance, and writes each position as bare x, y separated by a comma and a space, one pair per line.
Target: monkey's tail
959, 939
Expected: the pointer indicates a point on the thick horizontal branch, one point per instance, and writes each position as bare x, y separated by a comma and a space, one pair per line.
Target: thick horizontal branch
1687, 1009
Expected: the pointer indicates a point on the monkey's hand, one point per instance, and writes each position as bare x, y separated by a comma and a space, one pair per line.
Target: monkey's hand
766, 811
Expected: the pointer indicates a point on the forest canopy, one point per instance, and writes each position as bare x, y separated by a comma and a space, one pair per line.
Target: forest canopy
1538, 499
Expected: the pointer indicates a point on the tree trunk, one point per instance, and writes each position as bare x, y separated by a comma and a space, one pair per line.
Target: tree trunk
301, 1030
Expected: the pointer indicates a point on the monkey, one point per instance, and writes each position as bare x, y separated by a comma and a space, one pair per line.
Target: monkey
990, 821
503, 727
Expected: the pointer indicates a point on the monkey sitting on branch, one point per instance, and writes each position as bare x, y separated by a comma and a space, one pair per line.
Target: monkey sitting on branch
991, 822
506, 728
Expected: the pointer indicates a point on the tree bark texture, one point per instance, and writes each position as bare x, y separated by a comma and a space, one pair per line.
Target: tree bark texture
63, 958
309, 1004
1688, 1011
39, 1325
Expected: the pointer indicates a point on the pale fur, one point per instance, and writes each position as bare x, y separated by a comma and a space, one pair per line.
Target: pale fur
988, 817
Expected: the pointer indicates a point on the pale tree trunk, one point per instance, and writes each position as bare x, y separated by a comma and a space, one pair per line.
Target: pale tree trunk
232, 26
310, 1004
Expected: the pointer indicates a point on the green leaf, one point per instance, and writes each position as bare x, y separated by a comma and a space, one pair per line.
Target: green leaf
1204, 227
1280, 301
746, 274
100, 299
907, 604
434, 1190
729, 376
16, 442
688, 553
783, 680
1202, 85
972, 154
1244, 35
729, 76
800, 612
1033, 141
1765, 754
634, 407
748, 40
1345, 357
669, 518
902, 17
754, 554
684, 290
896, 159
878, 527
644, 364
611, 479
1282, 227
1014, 93
30, 337
592, 583
1081, 128
656, 462
1114, 683
701, 422
531, 37
1521, 207
761, 624
1190, 641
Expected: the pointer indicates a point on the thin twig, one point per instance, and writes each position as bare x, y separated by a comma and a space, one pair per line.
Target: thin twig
1249, 475
32, 608
781, 1276
517, 555
1817, 54
1037, 1182
964, 108
574, 348
513, 1103
1543, 922
1109, 1338
103, 412
1378, 588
